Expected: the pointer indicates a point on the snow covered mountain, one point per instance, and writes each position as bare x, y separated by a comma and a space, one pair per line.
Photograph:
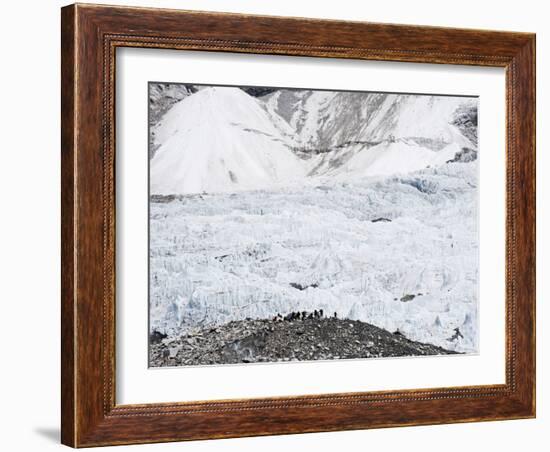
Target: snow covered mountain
225, 139
328, 119
323, 120
220, 139
375, 133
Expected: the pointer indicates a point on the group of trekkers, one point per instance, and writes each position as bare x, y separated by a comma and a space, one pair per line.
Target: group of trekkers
301, 315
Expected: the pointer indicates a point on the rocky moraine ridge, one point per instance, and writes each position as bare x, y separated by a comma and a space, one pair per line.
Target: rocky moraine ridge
295, 337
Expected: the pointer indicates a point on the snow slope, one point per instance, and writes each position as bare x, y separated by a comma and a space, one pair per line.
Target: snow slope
406, 116
401, 156
163, 95
218, 140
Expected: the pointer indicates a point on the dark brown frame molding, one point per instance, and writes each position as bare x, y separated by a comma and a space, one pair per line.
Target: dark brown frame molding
90, 35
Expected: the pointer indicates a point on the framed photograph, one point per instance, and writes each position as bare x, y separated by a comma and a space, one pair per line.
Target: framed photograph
280, 225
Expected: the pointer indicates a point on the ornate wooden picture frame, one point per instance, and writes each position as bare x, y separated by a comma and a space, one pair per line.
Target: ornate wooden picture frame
90, 36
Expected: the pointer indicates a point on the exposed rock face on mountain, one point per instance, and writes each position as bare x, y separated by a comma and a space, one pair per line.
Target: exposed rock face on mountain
465, 118
257, 91
374, 133
162, 96
324, 120
248, 341
465, 155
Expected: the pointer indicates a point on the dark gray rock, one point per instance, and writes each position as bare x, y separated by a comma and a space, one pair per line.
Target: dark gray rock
250, 341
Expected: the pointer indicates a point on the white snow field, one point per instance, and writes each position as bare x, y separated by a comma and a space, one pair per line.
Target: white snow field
379, 226
220, 139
